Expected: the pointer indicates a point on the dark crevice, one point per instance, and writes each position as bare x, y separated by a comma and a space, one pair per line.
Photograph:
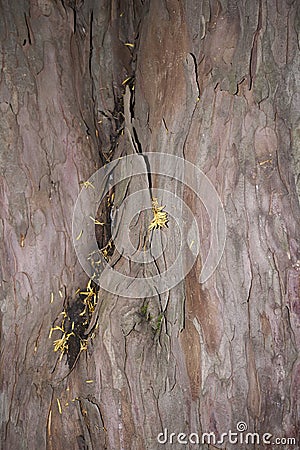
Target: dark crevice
28, 31
77, 321
138, 144
253, 54
74, 20
196, 71
91, 50
148, 172
81, 443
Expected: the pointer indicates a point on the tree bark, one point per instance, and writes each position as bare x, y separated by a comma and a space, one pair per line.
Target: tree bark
215, 83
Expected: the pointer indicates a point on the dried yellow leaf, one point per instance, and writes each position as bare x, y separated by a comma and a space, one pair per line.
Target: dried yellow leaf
96, 222
126, 80
59, 406
87, 184
79, 235
160, 217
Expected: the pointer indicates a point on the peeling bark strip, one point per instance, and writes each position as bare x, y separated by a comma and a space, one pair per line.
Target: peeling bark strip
215, 82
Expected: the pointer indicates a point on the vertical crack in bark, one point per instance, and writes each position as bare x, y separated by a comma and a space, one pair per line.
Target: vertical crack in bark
253, 53
29, 31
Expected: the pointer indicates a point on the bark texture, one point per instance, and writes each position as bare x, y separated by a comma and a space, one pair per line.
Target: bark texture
217, 83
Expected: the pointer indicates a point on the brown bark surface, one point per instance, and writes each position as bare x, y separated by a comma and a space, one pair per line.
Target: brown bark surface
216, 83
